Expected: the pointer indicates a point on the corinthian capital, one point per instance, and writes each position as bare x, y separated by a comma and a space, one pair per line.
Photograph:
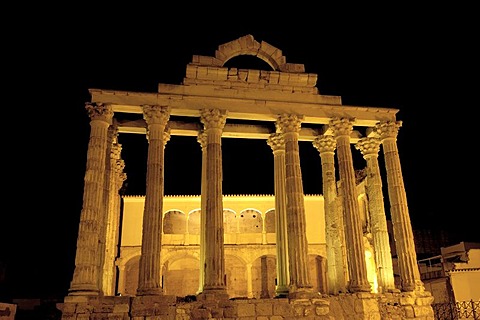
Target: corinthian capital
368, 146
341, 126
289, 123
388, 129
325, 143
166, 134
276, 141
99, 111
213, 118
154, 114
202, 139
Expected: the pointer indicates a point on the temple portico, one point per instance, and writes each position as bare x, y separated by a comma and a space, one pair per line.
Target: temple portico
282, 107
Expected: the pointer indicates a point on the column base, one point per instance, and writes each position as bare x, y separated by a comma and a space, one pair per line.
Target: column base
87, 293
150, 292
304, 293
281, 292
360, 288
213, 294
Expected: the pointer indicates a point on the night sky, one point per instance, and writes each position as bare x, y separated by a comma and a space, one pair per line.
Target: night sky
420, 64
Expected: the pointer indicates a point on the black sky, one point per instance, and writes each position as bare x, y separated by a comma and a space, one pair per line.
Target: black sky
420, 61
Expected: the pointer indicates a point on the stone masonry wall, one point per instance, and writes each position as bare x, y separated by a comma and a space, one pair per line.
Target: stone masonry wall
346, 306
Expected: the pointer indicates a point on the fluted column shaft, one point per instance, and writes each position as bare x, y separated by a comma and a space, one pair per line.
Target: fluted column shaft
277, 143
117, 177
149, 280
214, 122
358, 281
289, 125
370, 147
86, 273
104, 215
402, 228
333, 224
202, 140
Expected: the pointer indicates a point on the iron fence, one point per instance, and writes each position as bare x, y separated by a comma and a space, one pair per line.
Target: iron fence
457, 310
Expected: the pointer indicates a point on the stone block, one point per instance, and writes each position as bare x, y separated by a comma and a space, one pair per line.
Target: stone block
230, 312
407, 300
424, 311
321, 302
84, 308
424, 301
227, 304
283, 308
409, 312
217, 313
246, 310
7, 311
253, 75
121, 308
264, 309
201, 314
103, 308
142, 311
67, 307
322, 311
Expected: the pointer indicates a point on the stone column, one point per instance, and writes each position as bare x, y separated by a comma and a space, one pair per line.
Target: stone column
117, 177
249, 281
86, 273
149, 280
334, 224
202, 140
107, 192
264, 278
214, 122
341, 217
358, 280
300, 286
370, 147
402, 228
277, 143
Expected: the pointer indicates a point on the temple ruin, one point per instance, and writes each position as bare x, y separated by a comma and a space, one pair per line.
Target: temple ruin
215, 256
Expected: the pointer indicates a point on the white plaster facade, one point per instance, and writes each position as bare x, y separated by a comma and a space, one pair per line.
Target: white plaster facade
454, 275
465, 277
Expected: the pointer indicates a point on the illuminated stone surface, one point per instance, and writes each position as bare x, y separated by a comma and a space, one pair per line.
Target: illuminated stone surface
177, 262
370, 147
334, 229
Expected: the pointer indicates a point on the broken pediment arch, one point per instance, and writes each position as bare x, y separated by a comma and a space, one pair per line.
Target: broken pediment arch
247, 45
212, 71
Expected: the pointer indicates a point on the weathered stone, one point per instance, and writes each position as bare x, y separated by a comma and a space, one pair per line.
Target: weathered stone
246, 310
201, 314
321, 311
257, 250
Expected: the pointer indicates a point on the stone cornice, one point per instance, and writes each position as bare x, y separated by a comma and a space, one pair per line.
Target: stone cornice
239, 107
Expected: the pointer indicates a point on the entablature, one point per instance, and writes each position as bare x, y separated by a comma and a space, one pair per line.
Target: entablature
242, 108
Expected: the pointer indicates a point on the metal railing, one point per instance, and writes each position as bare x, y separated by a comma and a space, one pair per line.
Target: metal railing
457, 310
